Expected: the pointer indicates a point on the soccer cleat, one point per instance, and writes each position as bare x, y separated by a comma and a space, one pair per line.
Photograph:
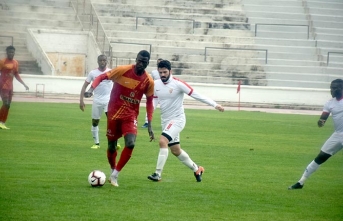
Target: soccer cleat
155, 177
198, 173
296, 186
118, 146
114, 181
95, 146
145, 125
3, 126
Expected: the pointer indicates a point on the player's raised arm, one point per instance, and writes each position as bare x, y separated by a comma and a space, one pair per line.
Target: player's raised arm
95, 83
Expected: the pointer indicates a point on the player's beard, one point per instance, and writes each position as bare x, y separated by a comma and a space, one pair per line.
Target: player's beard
166, 79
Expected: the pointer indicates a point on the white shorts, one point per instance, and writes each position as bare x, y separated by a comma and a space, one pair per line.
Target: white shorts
333, 144
174, 127
98, 108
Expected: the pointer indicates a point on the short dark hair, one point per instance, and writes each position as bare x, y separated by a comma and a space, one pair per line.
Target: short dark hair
10, 48
164, 64
338, 81
144, 53
102, 55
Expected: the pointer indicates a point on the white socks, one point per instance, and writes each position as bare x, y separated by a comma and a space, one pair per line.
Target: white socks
161, 160
185, 159
95, 133
311, 168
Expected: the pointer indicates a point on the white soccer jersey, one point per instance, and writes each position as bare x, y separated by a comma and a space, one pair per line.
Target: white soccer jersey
335, 108
103, 91
171, 95
155, 75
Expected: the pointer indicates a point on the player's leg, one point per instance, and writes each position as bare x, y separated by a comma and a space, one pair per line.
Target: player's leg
6, 96
161, 158
113, 134
186, 160
105, 110
129, 129
330, 147
96, 114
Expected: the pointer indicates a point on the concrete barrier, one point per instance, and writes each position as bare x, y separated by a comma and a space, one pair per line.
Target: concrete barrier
252, 95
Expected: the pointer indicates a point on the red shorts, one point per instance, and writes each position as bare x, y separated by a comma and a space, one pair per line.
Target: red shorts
118, 128
6, 94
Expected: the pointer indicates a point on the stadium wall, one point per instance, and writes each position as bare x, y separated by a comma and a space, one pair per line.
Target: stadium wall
62, 86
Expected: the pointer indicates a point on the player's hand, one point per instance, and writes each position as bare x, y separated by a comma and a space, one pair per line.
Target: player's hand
88, 93
151, 133
82, 105
26, 87
321, 122
220, 108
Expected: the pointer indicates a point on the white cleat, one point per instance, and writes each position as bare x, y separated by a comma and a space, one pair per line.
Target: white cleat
114, 181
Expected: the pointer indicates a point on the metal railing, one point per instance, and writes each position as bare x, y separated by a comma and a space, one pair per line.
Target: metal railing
176, 19
129, 61
243, 49
131, 43
328, 57
95, 26
308, 27
11, 37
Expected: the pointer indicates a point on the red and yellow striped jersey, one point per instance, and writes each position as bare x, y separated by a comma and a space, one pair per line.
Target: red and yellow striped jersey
127, 92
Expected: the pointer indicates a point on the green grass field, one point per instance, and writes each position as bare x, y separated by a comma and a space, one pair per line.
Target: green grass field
250, 159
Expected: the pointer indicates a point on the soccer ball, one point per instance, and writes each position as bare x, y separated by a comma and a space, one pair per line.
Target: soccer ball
96, 178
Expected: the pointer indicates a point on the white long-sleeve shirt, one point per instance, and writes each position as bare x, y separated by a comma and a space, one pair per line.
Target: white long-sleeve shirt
171, 94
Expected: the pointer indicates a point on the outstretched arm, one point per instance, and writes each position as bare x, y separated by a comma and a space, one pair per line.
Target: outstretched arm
323, 118
95, 83
206, 100
83, 90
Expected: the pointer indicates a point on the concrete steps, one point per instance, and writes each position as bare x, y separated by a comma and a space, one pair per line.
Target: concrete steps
19, 15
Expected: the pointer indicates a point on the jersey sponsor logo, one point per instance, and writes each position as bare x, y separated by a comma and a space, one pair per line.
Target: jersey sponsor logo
129, 99
171, 90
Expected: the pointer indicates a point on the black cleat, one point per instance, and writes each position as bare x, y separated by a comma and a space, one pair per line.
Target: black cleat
198, 174
154, 177
296, 186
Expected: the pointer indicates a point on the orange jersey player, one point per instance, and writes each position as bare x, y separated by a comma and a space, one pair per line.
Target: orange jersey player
8, 69
131, 82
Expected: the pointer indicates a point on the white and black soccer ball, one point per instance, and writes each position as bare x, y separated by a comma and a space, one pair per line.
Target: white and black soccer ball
96, 178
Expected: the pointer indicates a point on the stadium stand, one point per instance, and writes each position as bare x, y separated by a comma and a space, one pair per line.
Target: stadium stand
19, 15
293, 43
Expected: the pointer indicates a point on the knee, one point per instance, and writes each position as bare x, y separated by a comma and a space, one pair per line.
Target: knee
95, 122
7, 105
130, 144
321, 158
112, 146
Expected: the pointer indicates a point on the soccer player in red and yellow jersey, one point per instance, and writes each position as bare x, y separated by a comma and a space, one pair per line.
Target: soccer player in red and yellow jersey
130, 83
8, 69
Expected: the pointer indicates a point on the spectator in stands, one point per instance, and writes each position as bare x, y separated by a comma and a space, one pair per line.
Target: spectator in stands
131, 82
9, 68
170, 93
101, 97
335, 142
155, 75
